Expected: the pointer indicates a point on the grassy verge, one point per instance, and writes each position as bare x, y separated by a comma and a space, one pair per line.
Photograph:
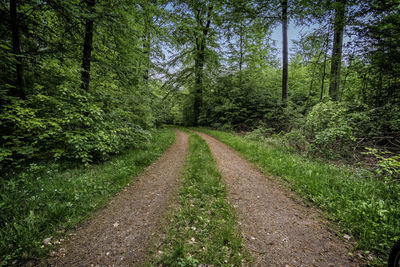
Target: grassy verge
44, 202
203, 229
359, 204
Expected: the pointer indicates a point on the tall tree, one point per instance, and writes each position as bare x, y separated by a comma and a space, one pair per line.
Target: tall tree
87, 47
16, 48
203, 20
147, 7
339, 24
285, 65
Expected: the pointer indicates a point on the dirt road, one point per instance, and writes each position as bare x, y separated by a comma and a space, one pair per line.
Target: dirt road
120, 233
278, 230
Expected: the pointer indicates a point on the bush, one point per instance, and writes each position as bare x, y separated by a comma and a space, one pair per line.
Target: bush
382, 121
260, 133
71, 124
388, 167
329, 129
296, 139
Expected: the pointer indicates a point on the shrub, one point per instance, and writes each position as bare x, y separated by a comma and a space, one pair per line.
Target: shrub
69, 124
296, 139
388, 167
260, 133
329, 129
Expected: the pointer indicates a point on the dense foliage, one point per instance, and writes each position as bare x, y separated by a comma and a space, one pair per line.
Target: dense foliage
83, 80
337, 111
97, 75
50, 115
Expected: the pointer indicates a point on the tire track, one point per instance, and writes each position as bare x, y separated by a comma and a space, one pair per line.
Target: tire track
120, 233
277, 230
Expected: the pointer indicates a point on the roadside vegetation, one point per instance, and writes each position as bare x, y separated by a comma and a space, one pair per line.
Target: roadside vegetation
85, 80
44, 201
359, 204
203, 228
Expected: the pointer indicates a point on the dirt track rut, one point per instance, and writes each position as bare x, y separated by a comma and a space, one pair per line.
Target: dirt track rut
120, 233
278, 230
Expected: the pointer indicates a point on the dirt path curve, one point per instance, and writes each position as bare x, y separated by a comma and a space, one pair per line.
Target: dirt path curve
278, 230
120, 233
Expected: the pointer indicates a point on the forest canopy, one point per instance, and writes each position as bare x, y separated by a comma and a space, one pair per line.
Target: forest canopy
89, 87
85, 79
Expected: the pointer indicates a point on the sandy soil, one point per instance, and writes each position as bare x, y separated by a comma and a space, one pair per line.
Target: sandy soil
120, 233
278, 229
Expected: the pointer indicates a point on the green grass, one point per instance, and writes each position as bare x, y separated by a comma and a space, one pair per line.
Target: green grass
44, 202
203, 229
356, 202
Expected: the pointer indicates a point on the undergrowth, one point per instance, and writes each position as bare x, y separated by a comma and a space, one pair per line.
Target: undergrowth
44, 202
203, 229
357, 202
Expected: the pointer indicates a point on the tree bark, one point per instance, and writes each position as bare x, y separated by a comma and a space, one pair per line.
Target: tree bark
146, 52
340, 13
323, 79
241, 49
341, 92
241, 43
285, 67
198, 94
324, 69
199, 63
147, 39
87, 48
312, 80
19, 90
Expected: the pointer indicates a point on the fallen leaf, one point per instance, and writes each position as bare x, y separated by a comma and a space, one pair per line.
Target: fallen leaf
46, 241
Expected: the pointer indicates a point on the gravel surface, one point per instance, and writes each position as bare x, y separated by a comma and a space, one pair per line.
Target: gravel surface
278, 229
120, 233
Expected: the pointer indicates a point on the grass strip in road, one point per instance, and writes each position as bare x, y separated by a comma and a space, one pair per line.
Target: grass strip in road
44, 202
203, 229
360, 205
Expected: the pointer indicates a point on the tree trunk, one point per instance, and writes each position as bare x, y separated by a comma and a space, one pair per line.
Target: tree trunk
198, 93
324, 69
341, 92
340, 13
241, 49
241, 53
285, 69
199, 63
198, 90
146, 52
19, 90
87, 48
147, 42
312, 80
323, 79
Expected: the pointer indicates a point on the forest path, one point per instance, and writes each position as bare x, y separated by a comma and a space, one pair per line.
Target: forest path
277, 229
120, 233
